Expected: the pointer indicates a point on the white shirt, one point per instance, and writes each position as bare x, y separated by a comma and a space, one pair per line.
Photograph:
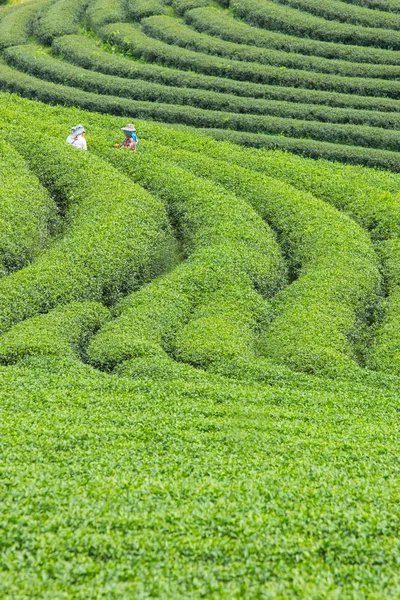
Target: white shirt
77, 141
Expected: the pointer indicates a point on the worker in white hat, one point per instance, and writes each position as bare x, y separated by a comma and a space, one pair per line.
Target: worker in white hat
131, 138
77, 137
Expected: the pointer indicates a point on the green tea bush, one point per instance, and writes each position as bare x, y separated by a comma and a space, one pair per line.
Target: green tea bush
139, 9
84, 52
32, 60
14, 81
269, 15
63, 332
233, 263
102, 12
171, 31
182, 6
319, 319
368, 196
160, 368
114, 233
28, 214
354, 155
347, 13
139, 45
388, 5
223, 25
59, 18
15, 26
384, 355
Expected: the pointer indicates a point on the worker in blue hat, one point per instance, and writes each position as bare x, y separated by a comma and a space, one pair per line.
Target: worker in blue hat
131, 138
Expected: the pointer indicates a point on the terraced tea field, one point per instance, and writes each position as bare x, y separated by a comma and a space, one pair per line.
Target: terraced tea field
200, 340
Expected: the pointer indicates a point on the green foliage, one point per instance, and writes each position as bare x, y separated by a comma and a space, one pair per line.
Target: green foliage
84, 52
136, 43
27, 213
59, 18
171, 31
63, 332
269, 15
347, 13
330, 257
30, 59
223, 25
16, 23
12, 80
102, 12
182, 6
139, 9
231, 257
385, 352
114, 233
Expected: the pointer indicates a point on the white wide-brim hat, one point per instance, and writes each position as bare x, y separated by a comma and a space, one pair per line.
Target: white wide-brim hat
130, 127
77, 130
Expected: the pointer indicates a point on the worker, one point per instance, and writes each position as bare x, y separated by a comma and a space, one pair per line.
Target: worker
77, 137
131, 138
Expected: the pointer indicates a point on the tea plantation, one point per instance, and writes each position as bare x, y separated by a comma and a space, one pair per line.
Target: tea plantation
200, 340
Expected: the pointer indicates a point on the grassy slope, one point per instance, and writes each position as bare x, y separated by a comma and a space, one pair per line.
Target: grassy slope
113, 487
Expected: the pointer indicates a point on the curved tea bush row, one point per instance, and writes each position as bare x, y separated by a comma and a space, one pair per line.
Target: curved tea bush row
335, 10
139, 45
385, 352
102, 12
16, 23
139, 9
319, 318
114, 233
269, 15
63, 332
182, 6
223, 25
15, 81
27, 212
388, 5
84, 52
210, 307
32, 60
171, 31
59, 18
354, 155
363, 194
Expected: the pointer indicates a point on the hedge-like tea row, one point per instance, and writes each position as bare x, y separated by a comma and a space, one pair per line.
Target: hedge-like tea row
269, 15
84, 52
385, 352
11, 80
182, 6
115, 233
16, 23
60, 18
223, 25
28, 215
388, 5
102, 12
139, 9
353, 155
32, 60
171, 31
363, 194
347, 13
318, 318
15, 81
63, 332
139, 45
210, 307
